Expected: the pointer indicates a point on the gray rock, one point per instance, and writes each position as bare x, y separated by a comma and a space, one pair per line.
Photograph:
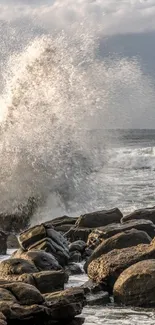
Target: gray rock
99, 218
78, 245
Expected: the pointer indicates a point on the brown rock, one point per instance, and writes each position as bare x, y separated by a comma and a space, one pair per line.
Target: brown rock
125, 239
25, 294
135, 286
108, 267
65, 305
101, 233
42, 261
99, 218
49, 281
31, 236
15, 266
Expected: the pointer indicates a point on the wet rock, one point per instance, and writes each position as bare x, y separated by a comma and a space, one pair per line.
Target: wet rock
125, 239
49, 246
61, 221
23, 271
108, 267
147, 214
22, 304
101, 233
78, 245
93, 287
99, 218
77, 233
135, 286
75, 257
49, 281
65, 305
16, 266
102, 298
47, 239
23, 293
74, 268
42, 260
12, 241
31, 236
3, 243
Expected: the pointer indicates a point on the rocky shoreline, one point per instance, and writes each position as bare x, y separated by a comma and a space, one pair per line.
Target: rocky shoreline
118, 253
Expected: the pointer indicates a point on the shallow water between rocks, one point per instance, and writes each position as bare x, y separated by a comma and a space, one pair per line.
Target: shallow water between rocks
112, 315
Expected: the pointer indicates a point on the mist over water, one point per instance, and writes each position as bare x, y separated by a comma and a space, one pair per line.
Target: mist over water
58, 90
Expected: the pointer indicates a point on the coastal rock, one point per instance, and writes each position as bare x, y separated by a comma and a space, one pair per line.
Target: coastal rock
23, 271
135, 286
77, 233
78, 245
97, 235
49, 281
125, 239
43, 261
3, 243
47, 239
16, 266
22, 304
32, 236
67, 304
74, 268
147, 213
99, 218
56, 222
108, 267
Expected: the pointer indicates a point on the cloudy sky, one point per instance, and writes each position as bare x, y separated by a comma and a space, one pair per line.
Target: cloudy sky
126, 30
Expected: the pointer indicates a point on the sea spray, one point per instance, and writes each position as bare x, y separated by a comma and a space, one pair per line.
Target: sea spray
58, 90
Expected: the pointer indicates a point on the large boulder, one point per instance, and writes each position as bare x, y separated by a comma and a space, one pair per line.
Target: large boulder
108, 267
3, 243
65, 305
23, 271
148, 214
97, 235
49, 281
125, 239
135, 286
23, 304
15, 266
42, 260
45, 238
99, 218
